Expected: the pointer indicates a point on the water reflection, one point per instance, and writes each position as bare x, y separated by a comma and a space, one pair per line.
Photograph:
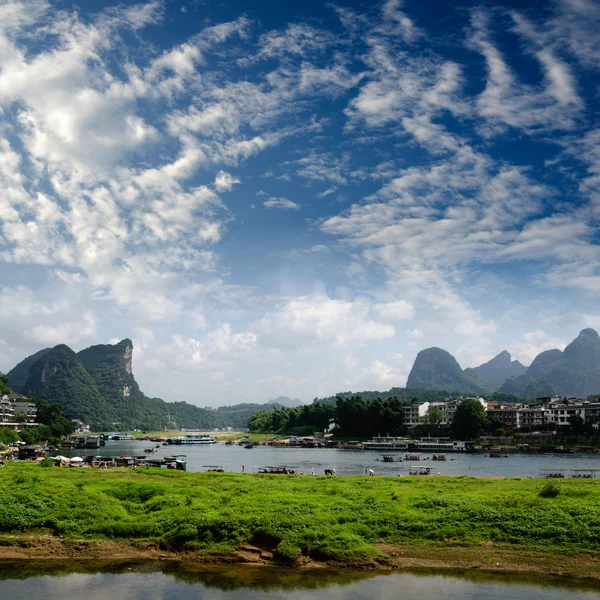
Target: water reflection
175, 581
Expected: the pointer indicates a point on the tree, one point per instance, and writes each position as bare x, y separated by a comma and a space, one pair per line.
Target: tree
434, 416
8, 436
469, 420
19, 418
577, 424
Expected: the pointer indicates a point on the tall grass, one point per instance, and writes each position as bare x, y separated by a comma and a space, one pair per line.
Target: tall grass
292, 516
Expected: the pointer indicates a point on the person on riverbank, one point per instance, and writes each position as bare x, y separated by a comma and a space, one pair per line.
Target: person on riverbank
371, 473
243, 468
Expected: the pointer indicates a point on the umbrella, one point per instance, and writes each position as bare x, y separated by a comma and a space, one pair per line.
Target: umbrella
77, 459
59, 457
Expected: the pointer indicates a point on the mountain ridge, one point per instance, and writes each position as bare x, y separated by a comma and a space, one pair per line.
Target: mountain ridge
435, 368
97, 385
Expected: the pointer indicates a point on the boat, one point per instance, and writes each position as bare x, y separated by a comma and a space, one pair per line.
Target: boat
149, 450
176, 461
420, 470
442, 444
214, 468
248, 446
412, 457
388, 458
495, 455
278, 470
192, 439
386, 443
439, 457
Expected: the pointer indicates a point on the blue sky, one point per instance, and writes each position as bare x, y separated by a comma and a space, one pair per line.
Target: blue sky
294, 198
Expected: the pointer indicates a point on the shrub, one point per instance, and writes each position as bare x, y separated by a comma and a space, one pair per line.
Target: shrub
550, 490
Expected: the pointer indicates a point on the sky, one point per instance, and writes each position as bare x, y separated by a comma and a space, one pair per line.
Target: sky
295, 197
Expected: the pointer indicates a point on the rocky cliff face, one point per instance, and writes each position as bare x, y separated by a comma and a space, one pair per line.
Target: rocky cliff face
436, 369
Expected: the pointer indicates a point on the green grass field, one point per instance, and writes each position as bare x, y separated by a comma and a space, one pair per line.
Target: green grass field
322, 518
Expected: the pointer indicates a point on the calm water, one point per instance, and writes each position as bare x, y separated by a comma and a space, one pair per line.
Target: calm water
139, 582
351, 462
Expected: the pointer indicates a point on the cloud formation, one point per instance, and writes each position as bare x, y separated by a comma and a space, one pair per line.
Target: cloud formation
425, 185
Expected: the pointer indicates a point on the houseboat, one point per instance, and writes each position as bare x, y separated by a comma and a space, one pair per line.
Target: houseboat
192, 439
442, 444
386, 443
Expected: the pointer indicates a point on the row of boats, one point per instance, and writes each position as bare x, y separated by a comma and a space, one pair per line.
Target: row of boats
413, 457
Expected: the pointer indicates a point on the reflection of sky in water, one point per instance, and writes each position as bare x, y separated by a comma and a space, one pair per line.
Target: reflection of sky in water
156, 586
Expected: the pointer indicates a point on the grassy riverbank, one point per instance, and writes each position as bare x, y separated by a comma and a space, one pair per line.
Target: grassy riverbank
297, 519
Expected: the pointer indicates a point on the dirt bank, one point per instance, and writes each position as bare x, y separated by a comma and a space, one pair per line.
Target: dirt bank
487, 557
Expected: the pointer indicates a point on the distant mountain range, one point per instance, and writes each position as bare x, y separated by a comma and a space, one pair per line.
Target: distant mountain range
97, 386
574, 372
287, 402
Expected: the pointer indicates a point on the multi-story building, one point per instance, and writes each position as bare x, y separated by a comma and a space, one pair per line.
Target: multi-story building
13, 405
414, 413
560, 412
507, 413
531, 416
7, 410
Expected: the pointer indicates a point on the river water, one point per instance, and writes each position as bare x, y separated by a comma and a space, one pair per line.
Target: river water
351, 462
179, 582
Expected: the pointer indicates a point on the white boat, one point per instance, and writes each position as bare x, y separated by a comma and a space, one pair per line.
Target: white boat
192, 439
386, 443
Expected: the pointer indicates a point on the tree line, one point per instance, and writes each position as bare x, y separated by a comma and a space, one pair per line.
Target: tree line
354, 417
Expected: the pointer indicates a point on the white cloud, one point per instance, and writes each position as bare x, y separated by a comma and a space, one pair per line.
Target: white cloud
532, 343
282, 203
395, 311
224, 182
316, 320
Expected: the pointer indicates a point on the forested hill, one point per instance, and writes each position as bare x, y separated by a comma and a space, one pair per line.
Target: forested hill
97, 386
406, 395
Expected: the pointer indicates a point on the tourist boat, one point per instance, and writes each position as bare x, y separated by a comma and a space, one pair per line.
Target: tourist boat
192, 439
420, 470
439, 457
386, 443
412, 457
278, 470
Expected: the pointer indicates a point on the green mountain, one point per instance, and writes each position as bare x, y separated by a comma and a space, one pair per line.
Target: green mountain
97, 386
287, 402
436, 369
499, 369
17, 377
573, 373
58, 376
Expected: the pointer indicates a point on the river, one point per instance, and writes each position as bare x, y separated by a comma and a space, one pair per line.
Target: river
351, 462
30, 581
